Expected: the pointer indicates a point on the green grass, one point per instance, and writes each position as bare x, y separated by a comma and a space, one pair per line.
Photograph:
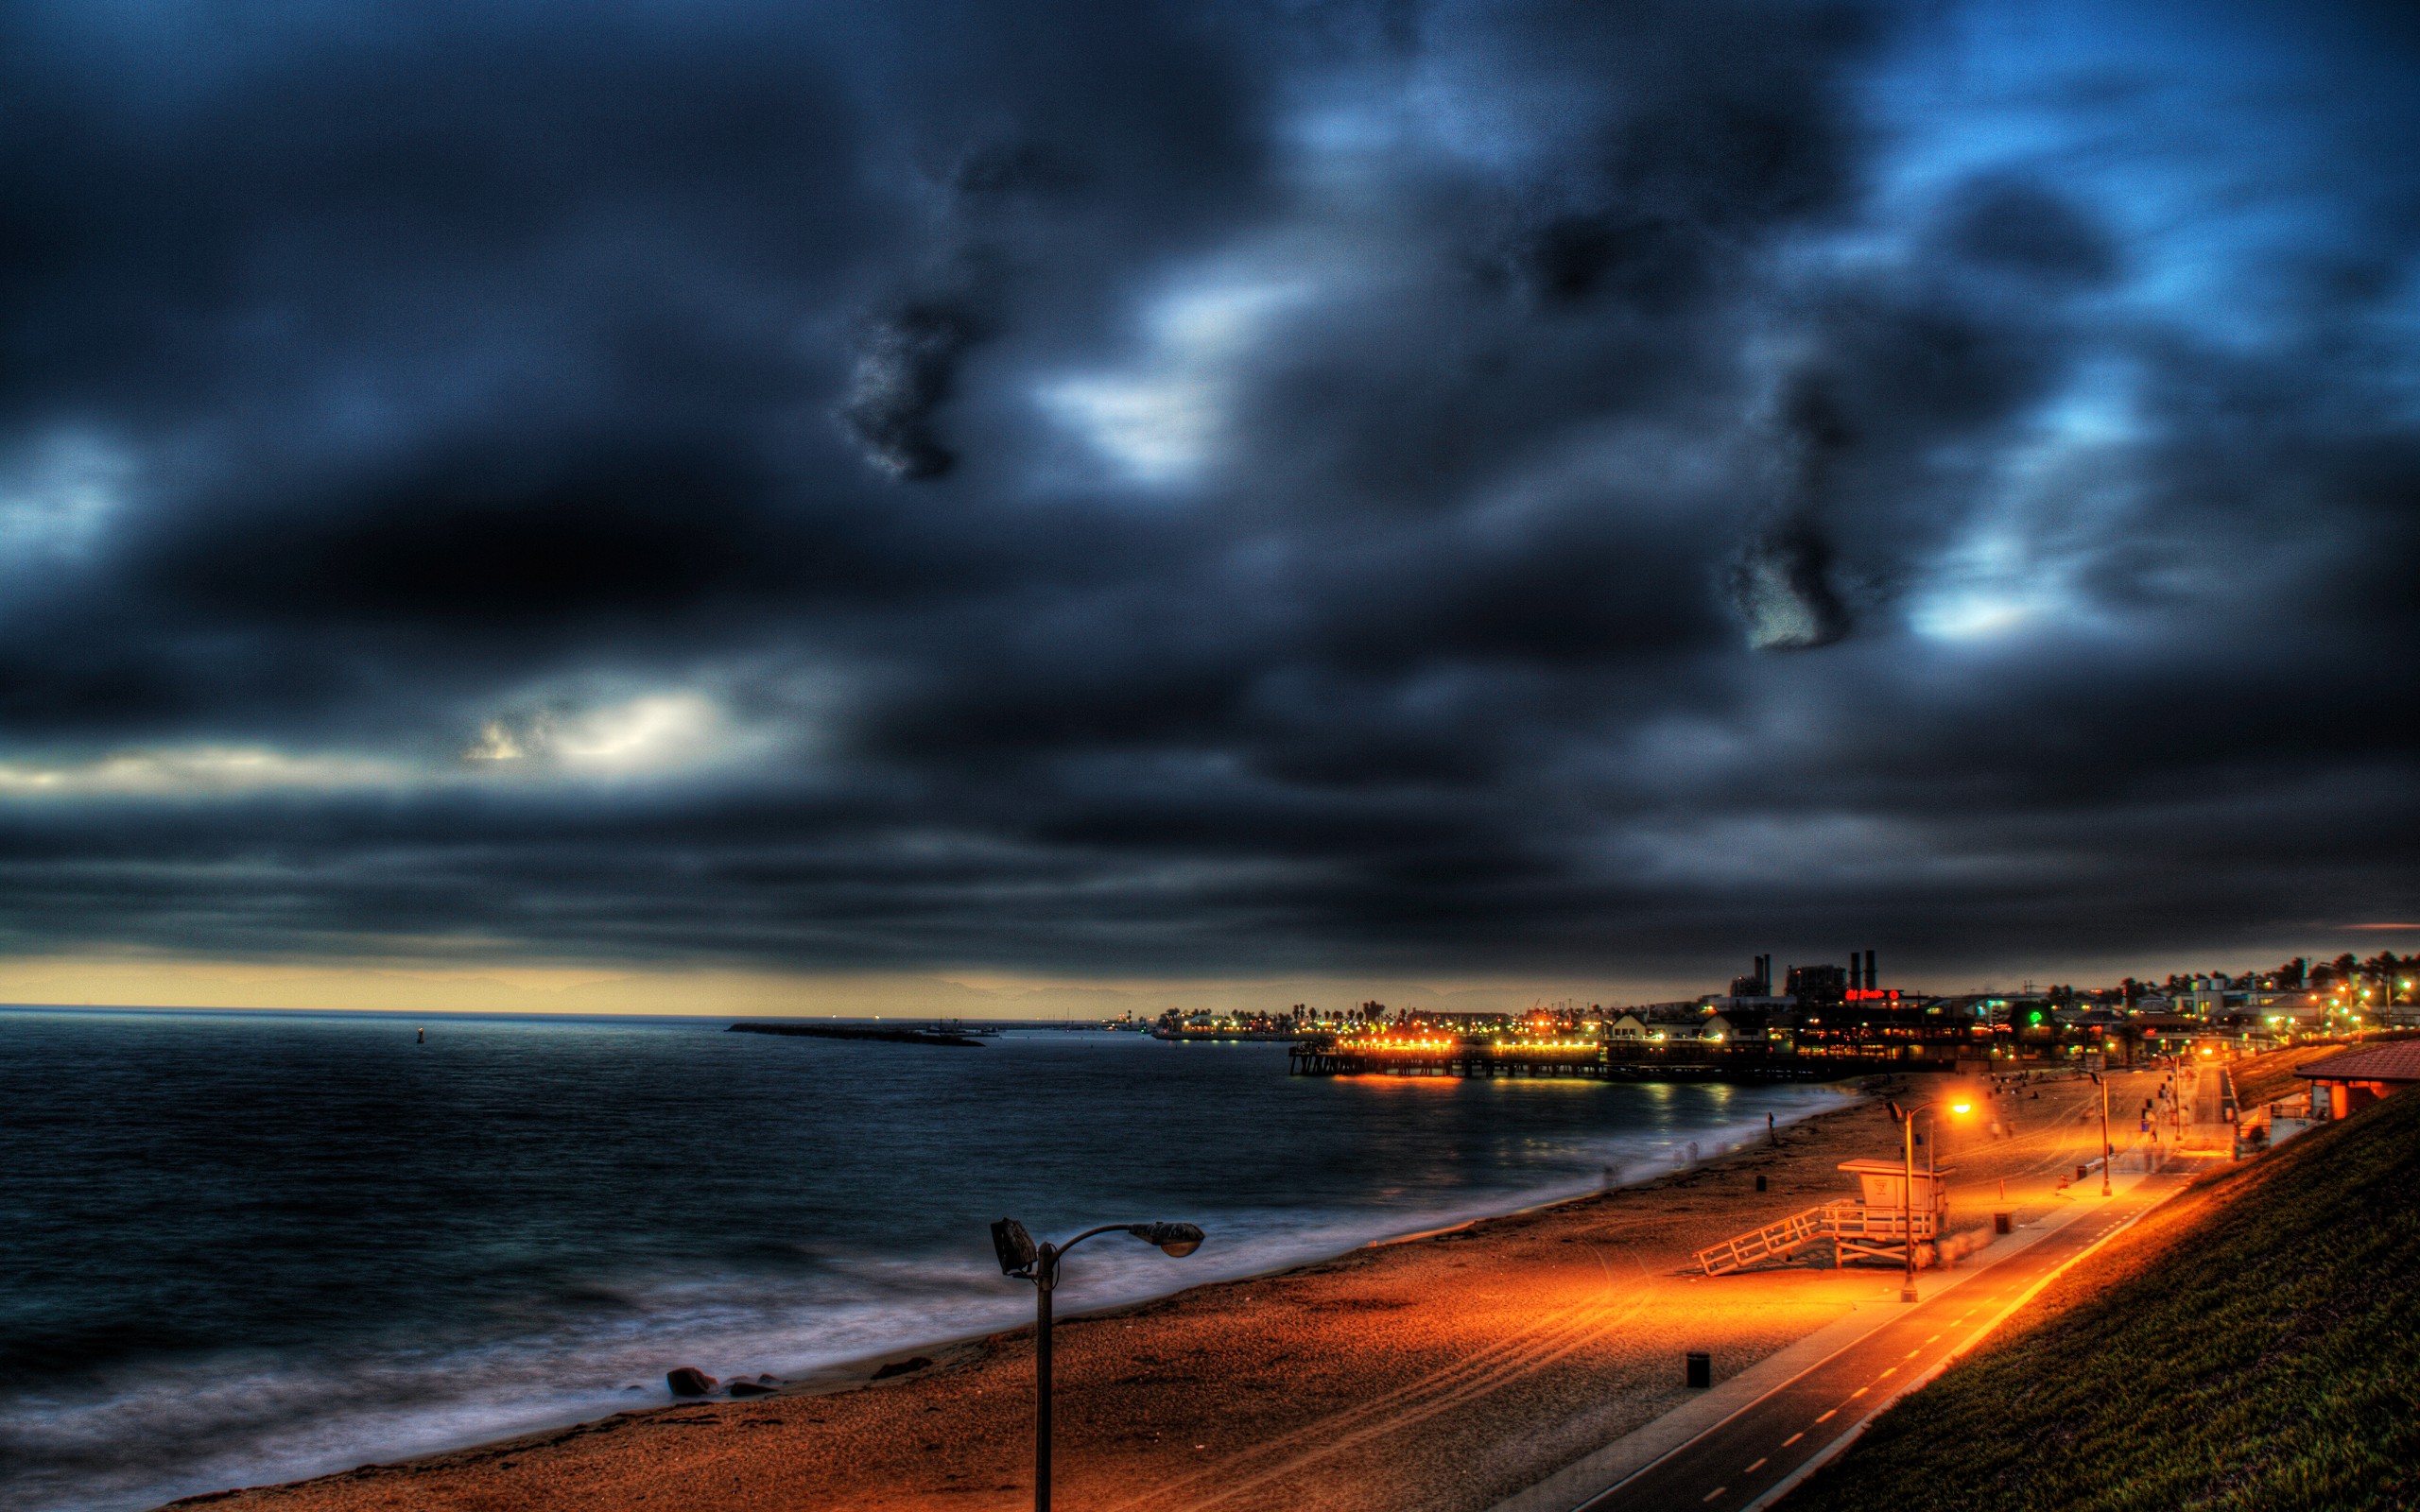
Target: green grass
2267, 1078
2253, 1343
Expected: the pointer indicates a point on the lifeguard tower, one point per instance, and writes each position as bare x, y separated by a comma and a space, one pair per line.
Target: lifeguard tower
1879, 1224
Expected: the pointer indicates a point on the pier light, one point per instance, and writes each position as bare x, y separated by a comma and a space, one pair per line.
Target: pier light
1039, 1263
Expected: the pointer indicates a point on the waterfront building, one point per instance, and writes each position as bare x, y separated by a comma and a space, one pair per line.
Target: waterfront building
2354, 1080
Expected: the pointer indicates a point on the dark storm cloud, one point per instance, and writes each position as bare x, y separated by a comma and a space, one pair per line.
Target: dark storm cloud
2027, 228
1782, 587
1164, 488
904, 369
1780, 584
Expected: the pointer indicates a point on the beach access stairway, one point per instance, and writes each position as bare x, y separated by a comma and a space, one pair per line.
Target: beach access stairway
1854, 1228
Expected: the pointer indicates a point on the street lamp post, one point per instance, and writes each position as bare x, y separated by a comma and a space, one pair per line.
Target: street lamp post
2102, 1076
1039, 1263
1906, 1117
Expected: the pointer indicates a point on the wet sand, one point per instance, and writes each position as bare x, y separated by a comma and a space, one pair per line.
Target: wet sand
1434, 1375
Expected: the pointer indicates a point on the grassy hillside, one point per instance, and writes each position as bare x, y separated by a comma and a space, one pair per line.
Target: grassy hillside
2254, 1344
2266, 1078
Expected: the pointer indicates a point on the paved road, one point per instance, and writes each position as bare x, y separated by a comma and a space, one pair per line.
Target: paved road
2208, 1100
1741, 1462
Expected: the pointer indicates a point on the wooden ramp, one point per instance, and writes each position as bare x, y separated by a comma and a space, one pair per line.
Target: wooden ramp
1853, 1227
1774, 1240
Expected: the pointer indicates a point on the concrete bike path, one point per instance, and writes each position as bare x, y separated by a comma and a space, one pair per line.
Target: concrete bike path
1746, 1442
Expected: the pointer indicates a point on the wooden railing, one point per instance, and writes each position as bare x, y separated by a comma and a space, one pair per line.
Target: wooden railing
1853, 1227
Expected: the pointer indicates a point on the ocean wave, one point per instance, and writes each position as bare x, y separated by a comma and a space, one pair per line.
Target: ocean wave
583, 1348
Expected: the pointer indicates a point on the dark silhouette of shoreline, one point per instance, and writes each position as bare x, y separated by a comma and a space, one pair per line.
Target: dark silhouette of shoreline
841, 1031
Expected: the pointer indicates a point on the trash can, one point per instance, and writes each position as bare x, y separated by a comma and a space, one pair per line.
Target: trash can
2003, 1223
1701, 1368
2083, 1171
1760, 1182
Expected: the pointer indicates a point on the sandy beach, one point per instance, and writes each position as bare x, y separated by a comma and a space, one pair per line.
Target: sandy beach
1433, 1375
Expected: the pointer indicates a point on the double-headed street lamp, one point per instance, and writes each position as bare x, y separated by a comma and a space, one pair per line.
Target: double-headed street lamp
1907, 1117
1039, 1263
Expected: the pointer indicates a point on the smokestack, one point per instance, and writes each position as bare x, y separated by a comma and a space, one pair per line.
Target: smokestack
1870, 984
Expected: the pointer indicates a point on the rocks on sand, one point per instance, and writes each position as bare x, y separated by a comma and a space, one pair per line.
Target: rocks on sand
688, 1381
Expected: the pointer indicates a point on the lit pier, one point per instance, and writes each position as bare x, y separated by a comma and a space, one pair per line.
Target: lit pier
1598, 1059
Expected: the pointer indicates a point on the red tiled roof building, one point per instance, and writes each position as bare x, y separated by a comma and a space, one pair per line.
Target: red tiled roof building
2359, 1077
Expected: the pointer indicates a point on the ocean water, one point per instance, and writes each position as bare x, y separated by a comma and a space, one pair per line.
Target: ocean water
245, 1247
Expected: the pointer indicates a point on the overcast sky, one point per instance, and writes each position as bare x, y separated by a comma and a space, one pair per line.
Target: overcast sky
1518, 494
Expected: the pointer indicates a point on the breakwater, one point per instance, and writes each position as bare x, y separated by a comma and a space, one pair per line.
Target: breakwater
855, 1031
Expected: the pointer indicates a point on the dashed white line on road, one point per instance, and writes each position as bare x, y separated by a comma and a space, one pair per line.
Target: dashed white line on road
1801, 1433
1827, 1416
1860, 1392
1711, 1495
1919, 1349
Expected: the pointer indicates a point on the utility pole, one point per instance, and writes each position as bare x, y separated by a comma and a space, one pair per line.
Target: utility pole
1908, 1209
1046, 1280
2103, 1079
1907, 1117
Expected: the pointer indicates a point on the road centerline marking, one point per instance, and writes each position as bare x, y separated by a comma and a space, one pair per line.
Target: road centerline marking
2014, 1286
1754, 1469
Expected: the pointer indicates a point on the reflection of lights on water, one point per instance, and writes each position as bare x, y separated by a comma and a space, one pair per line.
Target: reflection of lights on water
1367, 1045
